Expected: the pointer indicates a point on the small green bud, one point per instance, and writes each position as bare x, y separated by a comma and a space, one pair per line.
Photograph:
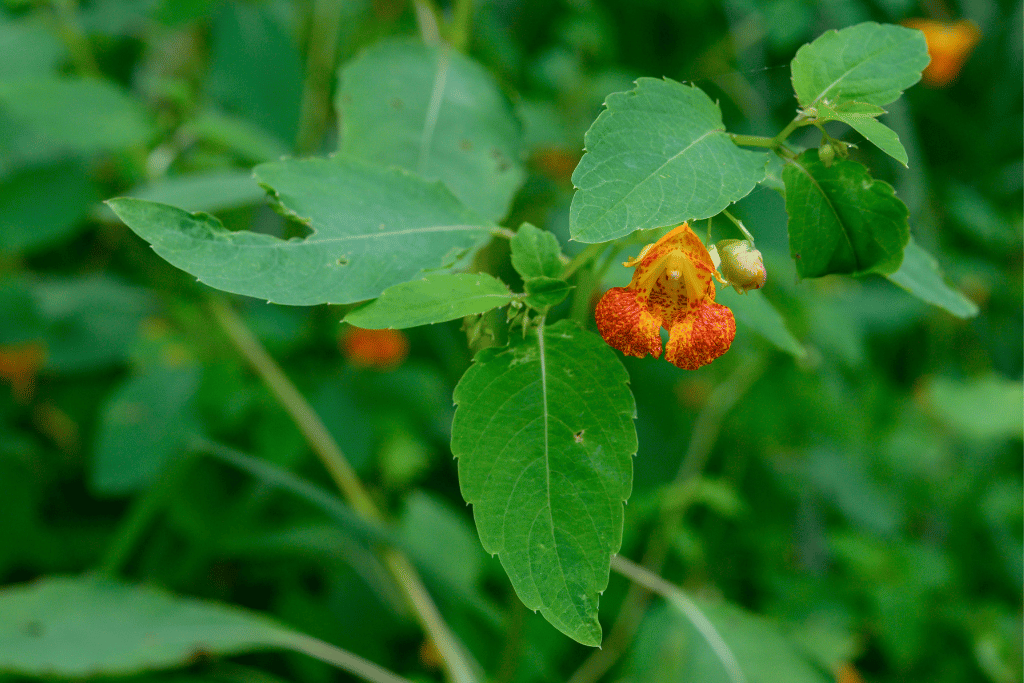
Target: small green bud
826, 153
741, 265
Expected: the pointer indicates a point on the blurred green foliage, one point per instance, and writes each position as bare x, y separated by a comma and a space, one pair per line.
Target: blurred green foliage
863, 498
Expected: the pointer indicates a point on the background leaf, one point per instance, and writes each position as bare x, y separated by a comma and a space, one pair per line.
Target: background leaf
920, 275
434, 299
841, 220
144, 424
208, 191
869, 62
30, 219
79, 114
436, 112
544, 436
754, 311
657, 155
86, 627
373, 228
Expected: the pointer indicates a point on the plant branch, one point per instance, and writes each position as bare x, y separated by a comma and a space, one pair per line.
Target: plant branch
774, 143
321, 55
323, 444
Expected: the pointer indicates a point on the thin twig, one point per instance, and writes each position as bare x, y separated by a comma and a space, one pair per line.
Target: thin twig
455, 660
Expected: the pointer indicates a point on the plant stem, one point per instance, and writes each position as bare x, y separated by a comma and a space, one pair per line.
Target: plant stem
752, 140
581, 259
739, 224
321, 55
426, 20
772, 143
654, 583
459, 28
70, 30
324, 446
144, 510
344, 659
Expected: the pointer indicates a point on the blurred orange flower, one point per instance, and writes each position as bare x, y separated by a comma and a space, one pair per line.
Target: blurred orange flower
672, 287
949, 45
381, 349
19, 365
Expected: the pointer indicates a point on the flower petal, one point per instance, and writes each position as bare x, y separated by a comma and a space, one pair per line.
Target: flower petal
700, 335
626, 325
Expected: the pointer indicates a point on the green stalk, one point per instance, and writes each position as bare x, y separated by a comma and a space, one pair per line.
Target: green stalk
454, 659
321, 55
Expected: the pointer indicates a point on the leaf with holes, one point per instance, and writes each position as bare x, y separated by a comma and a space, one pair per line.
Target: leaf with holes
373, 228
434, 111
544, 436
434, 299
657, 155
841, 220
870, 63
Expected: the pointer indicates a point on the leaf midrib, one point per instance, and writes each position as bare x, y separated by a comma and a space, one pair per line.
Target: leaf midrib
847, 73
842, 226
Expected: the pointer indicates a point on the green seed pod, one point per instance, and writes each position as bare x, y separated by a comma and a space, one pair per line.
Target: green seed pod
826, 153
742, 265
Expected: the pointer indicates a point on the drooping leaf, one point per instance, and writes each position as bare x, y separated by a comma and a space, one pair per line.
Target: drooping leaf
535, 253
83, 115
544, 436
436, 112
861, 117
657, 155
144, 424
81, 627
841, 220
920, 275
30, 219
870, 63
373, 228
436, 298
754, 311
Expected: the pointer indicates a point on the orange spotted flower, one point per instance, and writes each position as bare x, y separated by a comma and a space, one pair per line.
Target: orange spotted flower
673, 287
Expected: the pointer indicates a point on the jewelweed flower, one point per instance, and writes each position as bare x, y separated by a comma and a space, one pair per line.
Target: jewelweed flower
379, 349
949, 45
673, 287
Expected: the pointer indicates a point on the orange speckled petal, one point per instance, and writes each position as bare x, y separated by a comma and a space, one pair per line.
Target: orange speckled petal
700, 336
626, 325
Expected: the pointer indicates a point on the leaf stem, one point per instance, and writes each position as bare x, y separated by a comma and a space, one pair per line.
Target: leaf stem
426, 20
326, 448
774, 143
752, 140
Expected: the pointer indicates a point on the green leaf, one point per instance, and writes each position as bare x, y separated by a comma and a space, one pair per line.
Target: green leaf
236, 134
27, 48
80, 114
657, 156
988, 407
535, 253
434, 299
434, 111
72, 627
373, 228
841, 220
207, 191
544, 435
546, 291
754, 311
862, 119
144, 425
920, 275
870, 63
30, 219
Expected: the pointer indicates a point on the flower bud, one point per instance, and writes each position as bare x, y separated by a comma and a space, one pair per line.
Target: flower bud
742, 266
826, 153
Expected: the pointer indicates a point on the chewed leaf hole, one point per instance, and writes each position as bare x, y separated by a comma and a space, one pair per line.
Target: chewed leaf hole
578, 436
341, 261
